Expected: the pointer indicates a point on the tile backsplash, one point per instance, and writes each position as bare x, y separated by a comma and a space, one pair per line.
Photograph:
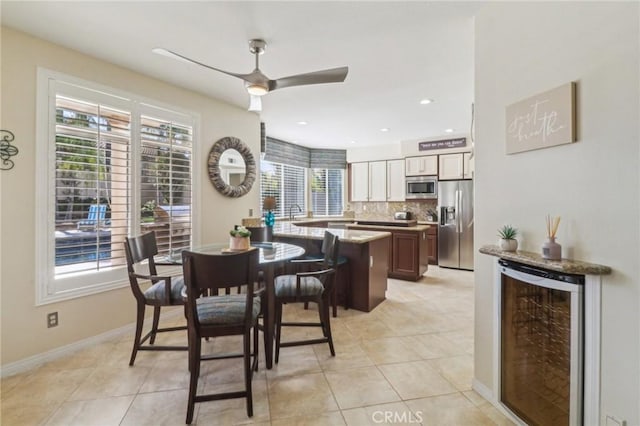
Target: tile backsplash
385, 210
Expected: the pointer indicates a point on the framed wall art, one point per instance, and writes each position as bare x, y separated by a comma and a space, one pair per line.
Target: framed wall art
541, 121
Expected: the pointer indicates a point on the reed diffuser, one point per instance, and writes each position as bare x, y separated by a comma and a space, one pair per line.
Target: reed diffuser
550, 249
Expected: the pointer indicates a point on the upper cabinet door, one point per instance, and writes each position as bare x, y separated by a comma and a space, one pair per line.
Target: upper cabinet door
451, 166
378, 181
395, 180
468, 165
360, 182
425, 165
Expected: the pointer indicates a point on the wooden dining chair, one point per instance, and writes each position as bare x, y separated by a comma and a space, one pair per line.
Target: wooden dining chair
308, 287
215, 309
164, 291
342, 278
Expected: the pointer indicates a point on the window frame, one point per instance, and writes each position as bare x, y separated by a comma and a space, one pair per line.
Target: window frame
308, 197
49, 84
310, 190
281, 210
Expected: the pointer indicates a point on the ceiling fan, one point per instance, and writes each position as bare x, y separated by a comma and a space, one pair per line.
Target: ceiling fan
258, 84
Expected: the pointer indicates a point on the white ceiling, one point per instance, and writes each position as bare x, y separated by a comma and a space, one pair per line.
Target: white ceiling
397, 53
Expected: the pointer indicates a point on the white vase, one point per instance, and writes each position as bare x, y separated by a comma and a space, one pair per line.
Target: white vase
508, 245
239, 243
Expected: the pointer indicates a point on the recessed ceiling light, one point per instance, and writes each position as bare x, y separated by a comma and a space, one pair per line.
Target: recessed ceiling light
426, 101
448, 130
352, 141
384, 129
302, 123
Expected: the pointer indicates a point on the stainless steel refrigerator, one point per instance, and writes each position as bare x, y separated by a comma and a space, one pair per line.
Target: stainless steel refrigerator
455, 230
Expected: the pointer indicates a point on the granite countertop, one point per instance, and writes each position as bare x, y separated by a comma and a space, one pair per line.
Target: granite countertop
417, 228
289, 229
568, 266
427, 222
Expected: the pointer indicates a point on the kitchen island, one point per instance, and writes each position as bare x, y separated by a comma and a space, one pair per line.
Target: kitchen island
367, 251
409, 248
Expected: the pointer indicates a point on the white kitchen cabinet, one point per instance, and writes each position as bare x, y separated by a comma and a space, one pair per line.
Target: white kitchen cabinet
451, 166
378, 181
360, 182
467, 165
425, 165
395, 180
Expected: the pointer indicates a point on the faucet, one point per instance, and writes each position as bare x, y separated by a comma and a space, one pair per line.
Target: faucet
291, 210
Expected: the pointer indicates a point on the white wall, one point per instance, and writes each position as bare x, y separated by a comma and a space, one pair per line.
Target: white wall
24, 331
374, 153
526, 48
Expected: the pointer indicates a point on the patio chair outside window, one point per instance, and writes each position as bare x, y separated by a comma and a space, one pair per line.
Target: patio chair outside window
96, 216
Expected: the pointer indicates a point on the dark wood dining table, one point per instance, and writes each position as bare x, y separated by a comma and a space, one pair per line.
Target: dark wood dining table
272, 255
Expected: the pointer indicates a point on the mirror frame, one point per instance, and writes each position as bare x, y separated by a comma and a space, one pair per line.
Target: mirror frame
213, 166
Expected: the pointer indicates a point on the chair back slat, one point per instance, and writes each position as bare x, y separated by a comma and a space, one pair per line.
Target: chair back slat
330, 249
140, 248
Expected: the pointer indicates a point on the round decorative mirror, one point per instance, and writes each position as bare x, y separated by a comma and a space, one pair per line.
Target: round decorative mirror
232, 167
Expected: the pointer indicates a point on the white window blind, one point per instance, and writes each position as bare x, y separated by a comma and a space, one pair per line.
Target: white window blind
287, 184
165, 182
326, 192
92, 188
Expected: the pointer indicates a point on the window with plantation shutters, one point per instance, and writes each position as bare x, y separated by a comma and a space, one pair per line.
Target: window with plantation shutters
92, 187
112, 166
326, 192
287, 184
165, 182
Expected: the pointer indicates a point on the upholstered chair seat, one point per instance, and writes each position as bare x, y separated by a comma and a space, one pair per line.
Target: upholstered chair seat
157, 292
228, 309
286, 286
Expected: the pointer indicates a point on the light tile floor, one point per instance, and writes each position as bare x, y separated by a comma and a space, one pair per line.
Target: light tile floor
409, 361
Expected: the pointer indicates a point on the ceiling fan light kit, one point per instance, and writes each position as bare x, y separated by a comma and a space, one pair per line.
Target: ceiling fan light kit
257, 84
256, 89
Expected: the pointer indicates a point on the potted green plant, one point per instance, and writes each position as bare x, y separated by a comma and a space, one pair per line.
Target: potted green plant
239, 238
507, 236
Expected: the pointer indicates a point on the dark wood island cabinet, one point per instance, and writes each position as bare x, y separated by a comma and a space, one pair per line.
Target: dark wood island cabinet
409, 249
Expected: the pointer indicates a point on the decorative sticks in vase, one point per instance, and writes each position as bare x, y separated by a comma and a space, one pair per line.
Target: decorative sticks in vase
550, 249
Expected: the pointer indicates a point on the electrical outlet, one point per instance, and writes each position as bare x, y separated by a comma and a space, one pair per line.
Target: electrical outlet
250, 212
52, 319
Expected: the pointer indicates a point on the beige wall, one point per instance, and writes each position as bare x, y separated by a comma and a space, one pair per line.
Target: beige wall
24, 331
523, 49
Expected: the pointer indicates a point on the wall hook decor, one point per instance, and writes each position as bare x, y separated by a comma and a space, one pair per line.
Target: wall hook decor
7, 150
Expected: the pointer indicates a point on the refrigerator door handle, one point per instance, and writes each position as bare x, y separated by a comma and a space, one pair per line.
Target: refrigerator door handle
459, 222
457, 210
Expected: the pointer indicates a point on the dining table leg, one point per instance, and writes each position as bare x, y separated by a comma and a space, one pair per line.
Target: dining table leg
269, 318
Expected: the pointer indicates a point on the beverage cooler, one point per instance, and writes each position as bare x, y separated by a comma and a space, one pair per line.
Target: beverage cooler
541, 344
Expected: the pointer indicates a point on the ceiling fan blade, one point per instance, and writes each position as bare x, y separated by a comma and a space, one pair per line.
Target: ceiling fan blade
179, 57
334, 75
255, 103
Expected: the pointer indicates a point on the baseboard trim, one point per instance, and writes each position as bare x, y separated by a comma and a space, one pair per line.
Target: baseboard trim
483, 391
34, 361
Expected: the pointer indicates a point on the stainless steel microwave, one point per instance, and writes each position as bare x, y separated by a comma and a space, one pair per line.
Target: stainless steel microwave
421, 187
